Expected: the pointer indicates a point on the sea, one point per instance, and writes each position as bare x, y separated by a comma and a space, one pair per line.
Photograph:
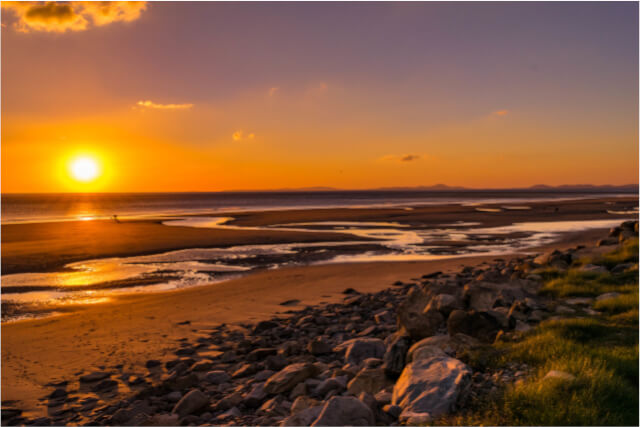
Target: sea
21, 208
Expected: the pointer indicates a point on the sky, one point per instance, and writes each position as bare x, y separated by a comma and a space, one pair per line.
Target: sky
208, 96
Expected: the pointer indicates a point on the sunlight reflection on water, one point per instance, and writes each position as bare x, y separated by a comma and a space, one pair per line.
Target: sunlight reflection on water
193, 267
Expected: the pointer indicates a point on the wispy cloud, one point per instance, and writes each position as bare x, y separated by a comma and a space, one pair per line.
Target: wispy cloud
500, 113
240, 136
151, 104
401, 158
72, 16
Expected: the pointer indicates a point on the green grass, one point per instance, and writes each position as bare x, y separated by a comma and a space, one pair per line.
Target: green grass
577, 283
601, 352
628, 252
619, 304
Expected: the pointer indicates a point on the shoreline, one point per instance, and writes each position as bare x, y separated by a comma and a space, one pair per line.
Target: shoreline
134, 328
49, 247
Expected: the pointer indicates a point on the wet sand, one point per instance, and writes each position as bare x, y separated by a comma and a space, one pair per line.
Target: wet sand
50, 246
28, 248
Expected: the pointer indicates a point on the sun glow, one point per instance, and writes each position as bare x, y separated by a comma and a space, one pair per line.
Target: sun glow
84, 169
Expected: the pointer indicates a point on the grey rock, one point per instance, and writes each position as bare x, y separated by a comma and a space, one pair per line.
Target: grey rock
359, 349
190, 403
302, 418
217, 377
368, 380
319, 346
256, 396
344, 411
429, 388
394, 357
289, 377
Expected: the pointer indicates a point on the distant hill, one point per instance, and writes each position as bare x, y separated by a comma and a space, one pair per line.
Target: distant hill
580, 188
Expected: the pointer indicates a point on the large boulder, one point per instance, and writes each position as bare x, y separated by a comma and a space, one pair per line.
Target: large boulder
345, 411
288, 378
395, 356
429, 388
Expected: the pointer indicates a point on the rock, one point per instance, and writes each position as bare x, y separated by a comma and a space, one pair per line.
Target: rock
244, 370
95, 376
393, 410
591, 268
578, 301
299, 390
446, 303
429, 388
607, 242
263, 375
217, 377
261, 353
174, 396
608, 295
368, 380
319, 346
450, 345
162, 420
190, 403
302, 418
273, 407
560, 375
203, 365
383, 317
427, 352
480, 295
344, 411
256, 396
289, 377
303, 402
478, 324
359, 349
328, 385
554, 258
563, 309
621, 268
231, 413
417, 322
395, 356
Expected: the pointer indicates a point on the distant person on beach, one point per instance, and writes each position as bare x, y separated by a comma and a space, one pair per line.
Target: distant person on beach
115, 219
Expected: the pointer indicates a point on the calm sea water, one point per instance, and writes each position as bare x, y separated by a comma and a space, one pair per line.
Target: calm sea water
64, 207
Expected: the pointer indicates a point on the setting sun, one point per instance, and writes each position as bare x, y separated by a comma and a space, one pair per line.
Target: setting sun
84, 169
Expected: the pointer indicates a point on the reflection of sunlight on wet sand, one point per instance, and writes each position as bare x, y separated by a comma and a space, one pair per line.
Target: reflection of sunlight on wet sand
194, 267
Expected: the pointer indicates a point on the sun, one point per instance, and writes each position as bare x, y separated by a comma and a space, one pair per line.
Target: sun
84, 169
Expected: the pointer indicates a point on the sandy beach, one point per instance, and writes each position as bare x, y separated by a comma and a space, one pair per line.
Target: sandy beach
128, 330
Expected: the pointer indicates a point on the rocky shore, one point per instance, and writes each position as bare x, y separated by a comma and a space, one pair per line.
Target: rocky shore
395, 357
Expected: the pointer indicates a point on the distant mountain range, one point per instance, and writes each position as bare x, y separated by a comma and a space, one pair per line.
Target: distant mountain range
579, 188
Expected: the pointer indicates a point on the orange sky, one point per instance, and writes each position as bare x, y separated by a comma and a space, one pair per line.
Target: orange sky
173, 97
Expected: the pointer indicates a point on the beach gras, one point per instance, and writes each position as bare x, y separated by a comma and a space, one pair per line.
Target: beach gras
599, 354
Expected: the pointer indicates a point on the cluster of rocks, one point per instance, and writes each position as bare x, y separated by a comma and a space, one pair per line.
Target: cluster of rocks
626, 230
386, 358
